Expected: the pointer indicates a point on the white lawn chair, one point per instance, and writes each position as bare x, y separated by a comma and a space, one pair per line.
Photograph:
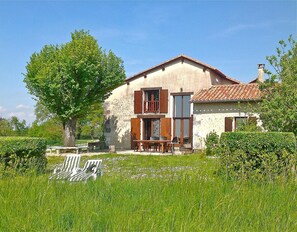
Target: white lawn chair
67, 168
91, 169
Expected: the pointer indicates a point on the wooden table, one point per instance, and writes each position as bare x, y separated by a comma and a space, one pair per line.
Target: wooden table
145, 143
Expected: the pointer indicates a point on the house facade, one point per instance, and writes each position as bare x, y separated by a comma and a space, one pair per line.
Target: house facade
223, 108
158, 102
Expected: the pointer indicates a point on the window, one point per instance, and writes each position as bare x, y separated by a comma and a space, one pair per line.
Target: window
107, 126
181, 117
239, 123
182, 106
151, 101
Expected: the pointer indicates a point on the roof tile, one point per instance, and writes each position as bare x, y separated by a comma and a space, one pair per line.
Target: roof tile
222, 93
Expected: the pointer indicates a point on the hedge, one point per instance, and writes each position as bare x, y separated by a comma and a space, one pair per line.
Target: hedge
258, 155
22, 155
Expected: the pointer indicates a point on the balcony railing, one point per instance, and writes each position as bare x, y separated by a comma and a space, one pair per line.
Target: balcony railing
151, 106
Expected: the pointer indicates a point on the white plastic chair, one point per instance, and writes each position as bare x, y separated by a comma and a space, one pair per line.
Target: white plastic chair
67, 168
91, 169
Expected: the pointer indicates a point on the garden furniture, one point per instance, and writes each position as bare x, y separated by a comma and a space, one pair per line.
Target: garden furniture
67, 168
91, 169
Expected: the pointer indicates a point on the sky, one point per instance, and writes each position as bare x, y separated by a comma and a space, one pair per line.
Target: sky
233, 36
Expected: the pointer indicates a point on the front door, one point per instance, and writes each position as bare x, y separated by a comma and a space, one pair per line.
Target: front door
151, 128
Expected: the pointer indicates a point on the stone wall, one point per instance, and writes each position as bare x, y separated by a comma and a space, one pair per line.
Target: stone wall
211, 117
176, 77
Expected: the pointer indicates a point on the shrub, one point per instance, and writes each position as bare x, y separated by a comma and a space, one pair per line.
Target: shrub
211, 143
22, 155
258, 155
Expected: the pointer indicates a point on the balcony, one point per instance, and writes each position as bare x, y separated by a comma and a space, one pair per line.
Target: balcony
151, 106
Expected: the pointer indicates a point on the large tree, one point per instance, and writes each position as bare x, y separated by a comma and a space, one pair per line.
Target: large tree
68, 79
279, 104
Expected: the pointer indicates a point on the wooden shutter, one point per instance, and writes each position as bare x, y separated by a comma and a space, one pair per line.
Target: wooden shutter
137, 102
163, 100
135, 130
228, 124
166, 127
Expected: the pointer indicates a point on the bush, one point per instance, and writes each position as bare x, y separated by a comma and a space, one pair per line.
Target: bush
22, 155
258, 155
211, 143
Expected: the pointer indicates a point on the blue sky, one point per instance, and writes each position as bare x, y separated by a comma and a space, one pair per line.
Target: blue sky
233, 36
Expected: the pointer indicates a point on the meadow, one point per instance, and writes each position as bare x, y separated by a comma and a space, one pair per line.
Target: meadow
147, 193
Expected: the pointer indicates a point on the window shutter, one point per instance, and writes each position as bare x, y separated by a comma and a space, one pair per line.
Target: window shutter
228, 124
163, 100
137, 102
166, 127
135, 131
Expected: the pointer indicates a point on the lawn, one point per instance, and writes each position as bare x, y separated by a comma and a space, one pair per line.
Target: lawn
147, 193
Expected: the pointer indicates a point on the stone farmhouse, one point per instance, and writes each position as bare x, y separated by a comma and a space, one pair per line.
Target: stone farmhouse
182, 98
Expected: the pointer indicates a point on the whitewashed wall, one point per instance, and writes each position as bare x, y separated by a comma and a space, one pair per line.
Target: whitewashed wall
210, 117
119, 107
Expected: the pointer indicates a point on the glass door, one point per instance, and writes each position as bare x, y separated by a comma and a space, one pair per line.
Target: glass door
181, 117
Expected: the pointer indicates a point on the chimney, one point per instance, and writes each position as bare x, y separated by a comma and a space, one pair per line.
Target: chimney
261, 73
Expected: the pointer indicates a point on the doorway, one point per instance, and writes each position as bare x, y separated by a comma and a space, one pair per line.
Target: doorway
151, 128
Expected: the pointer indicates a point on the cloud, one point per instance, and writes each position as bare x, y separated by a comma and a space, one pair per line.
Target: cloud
2, 109
28, 116
21, 111
21, 106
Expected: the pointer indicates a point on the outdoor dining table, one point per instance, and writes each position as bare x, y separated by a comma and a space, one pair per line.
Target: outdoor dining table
145, 143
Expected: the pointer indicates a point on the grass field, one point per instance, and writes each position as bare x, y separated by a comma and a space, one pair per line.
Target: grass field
148, 193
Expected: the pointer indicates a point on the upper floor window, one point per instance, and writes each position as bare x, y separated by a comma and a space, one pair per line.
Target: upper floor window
154, 100
182, 106
151, 101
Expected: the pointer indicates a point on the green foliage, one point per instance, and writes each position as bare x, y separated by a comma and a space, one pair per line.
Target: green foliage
5, 127
22, 155
249, 125
211, 143
19, 127
279, 102
13, 127
68, 79
258, 155
91, 125
51, 130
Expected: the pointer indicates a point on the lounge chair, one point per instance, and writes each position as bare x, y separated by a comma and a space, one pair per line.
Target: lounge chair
67, 168
91, 169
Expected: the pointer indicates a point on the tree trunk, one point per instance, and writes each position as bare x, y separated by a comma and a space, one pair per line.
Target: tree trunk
69, 132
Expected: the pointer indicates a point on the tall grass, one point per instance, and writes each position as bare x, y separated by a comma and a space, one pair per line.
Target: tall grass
137, 193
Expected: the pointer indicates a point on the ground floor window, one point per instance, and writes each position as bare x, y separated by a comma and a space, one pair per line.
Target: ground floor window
239, 123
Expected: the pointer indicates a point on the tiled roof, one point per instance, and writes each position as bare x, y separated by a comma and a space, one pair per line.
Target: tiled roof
228, 93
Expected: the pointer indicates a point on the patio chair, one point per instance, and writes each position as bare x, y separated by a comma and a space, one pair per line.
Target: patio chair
67, 168
154, 146
91, 169
171, 145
